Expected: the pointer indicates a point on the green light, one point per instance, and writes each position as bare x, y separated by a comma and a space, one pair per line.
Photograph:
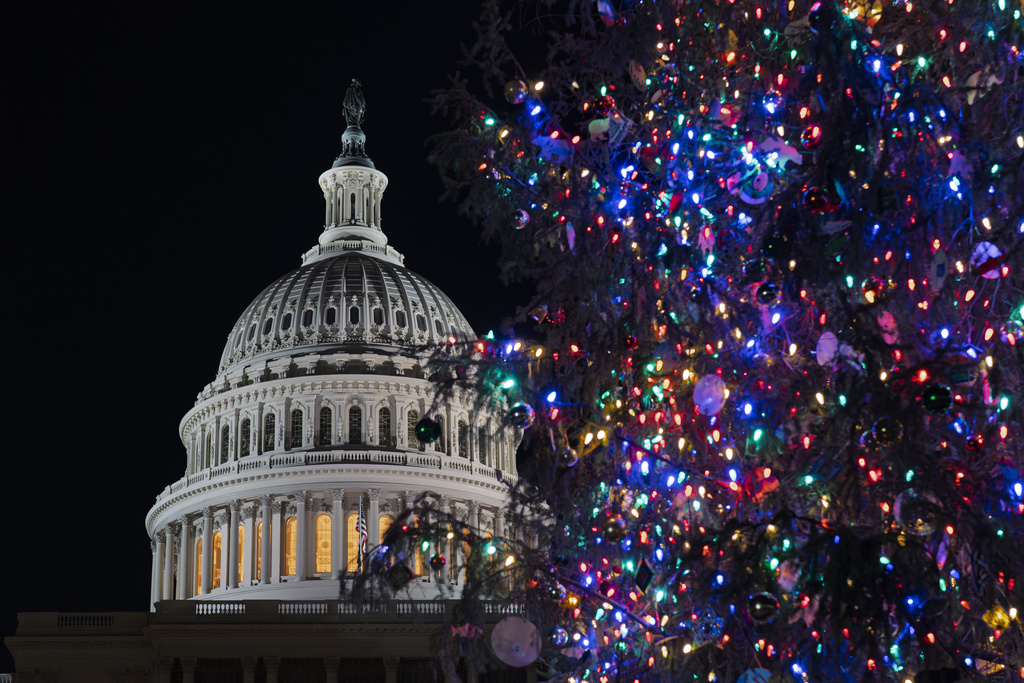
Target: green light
758, 434
629, 565
707, 136
792, 54
774, 563
489, 121
659, 596
785, 544
491, 549
910, 475
808, 479
767, 32
599, 613
921, 61
508, 384
604, 90
853, 44
849, 281
1004, 403
425, 546
942, 585
883, 559
995, 169
842, 399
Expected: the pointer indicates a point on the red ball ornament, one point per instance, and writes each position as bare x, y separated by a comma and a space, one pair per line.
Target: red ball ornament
437, 561
604, 105
811, 137
819, 200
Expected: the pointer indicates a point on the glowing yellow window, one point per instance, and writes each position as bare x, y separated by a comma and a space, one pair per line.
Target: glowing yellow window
385, 523
259, 550
290, 528
241, 552
323, 543
352, 544
216, 560
199, 567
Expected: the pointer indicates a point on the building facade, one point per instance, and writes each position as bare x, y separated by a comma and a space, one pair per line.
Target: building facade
303, 445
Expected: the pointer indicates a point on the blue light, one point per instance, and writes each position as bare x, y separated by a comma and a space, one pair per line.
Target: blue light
695, 198
645, 468
776, 317
535, 110
659, 554
835, 539
968, 661
750, 344
747, 409
876, 65
552, 396
732, 474
1018, 488
622, 203
955, 574
671, 481
689, 133
675, 148
719, 579
508, 349
911, 116
942, 113
689, 175
944, 333
954, 184
875, 229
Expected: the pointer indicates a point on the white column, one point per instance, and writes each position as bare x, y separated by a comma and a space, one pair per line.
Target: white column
249, 558
277, 540
207, 577
154, 574
272, 664
474, 516
168, 563
499, 523
185, 559
301, 532
373, 520
265, 540
338, 532
232, 568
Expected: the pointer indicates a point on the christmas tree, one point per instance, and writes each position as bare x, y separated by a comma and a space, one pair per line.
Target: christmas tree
770, 385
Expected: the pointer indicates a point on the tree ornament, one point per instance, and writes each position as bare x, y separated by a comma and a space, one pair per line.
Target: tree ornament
987, 259
768, 293
708, 627
887, 431
521, 415
516, 641
569, 457
827, 349
818, 200
516, 91
632, 343
557, 591
558, 637
755, 676
637, 75
709, 394
772, 101
762, 607
916, 512
975, 443
604, 105
613, 528
811, 137
873, 288
427, 430
437, 562
755, 270
936, 398
520, 219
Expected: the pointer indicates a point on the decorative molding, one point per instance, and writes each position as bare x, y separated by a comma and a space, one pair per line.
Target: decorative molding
337, 494
374, 494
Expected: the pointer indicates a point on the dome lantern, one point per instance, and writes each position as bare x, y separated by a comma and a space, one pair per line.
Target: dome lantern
353, 189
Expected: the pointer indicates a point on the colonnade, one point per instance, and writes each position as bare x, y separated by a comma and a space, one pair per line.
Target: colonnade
184, 560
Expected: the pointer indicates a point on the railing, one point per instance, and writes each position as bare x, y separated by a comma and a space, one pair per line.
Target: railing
220, 607
340, 457
84, 620
6, 678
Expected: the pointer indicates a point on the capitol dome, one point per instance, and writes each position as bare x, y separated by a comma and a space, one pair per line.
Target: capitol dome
303, 445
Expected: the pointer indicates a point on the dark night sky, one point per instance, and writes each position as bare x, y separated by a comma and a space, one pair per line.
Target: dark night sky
162, 167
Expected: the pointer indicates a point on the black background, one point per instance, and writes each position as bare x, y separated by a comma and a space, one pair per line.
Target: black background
161, 166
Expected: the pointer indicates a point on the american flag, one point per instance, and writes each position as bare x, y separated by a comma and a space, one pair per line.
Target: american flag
361, 529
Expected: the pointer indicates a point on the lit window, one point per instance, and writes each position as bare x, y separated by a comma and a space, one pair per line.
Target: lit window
244, 437
384, 522
463, 439
355, 424
413, 417
323, 543
323, 438
215, 583
197, 587
296, 435
290, 545
268, 432
384, 427
352, 544
241, 551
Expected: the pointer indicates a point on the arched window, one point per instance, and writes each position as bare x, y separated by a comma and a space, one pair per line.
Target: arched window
331, 316
439, 328
439, 444
384, 523
353, 315
307, 317
481, 445
268, 326
209, 446
421, 322
244, 437
295, 440
259, 550
241, 552
225, 437
215, 582
463, 439
269, 425
197, 586
352, 208
323, 543
252, 332
413, 417
378, 316
355, 424
352, 544
290, 542
400, 319
323, 437
384, 427
287, 322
